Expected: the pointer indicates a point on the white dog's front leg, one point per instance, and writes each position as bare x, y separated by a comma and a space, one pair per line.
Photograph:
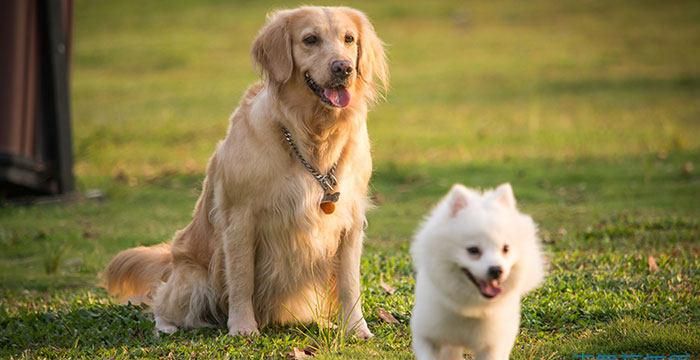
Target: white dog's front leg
239, 254
497, 352
500, 331
448, 352
424, 349
349, 283
489, 355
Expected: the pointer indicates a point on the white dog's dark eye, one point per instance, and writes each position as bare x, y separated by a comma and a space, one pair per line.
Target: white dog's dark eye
505, 249
310, 40
349, 39
473, 250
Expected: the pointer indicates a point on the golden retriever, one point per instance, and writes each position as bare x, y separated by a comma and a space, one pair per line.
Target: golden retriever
261, 247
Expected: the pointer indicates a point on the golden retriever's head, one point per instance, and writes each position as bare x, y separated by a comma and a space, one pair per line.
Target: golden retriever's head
331, 54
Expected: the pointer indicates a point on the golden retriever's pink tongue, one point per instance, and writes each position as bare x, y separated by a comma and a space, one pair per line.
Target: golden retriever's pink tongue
339, 97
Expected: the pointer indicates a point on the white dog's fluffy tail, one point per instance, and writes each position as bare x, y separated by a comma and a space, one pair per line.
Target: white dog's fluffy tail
134, 274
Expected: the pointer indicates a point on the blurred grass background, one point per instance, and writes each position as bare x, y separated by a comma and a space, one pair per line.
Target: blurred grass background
589, 108
155, 82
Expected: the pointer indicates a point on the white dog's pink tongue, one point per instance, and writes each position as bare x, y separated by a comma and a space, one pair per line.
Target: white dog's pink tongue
339, 97
489, 289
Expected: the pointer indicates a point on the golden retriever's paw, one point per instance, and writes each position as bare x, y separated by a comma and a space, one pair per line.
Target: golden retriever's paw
247, 331
364, 333
239, 328
165, 327
361, 330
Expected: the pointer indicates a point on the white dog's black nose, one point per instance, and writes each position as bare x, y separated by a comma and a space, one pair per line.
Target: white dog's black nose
341, 68
494, 272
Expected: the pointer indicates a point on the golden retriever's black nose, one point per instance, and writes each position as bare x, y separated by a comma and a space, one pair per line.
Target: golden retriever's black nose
341, 68
494, 272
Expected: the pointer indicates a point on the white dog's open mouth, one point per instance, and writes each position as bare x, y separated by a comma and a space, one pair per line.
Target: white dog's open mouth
336, 96
488, 289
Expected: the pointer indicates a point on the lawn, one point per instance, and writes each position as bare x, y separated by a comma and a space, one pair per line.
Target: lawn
590, 109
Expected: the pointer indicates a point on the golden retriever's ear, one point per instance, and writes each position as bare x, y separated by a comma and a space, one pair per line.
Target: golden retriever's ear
272, 49
371, 64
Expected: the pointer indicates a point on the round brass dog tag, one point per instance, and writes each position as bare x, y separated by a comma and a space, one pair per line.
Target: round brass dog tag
328, 207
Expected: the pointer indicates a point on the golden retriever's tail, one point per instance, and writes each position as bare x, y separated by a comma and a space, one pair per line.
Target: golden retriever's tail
134, 274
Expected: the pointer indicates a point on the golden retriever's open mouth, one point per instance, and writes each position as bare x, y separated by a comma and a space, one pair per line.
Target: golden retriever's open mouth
336, 96
488, 289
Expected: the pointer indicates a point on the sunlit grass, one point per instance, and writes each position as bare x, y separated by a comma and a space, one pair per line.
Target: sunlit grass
590, 110
476, 82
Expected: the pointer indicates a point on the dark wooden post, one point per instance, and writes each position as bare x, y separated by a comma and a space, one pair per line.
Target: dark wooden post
58, 16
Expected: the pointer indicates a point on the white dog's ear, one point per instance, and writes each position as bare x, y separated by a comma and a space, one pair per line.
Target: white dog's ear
457, 199
504, 195
272, 49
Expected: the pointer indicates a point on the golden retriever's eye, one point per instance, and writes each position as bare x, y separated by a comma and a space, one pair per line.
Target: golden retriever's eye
310, 39
473, 250
349, 39
505, 249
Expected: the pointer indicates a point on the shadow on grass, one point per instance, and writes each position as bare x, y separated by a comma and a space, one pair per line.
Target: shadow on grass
569, 195
630, 336
89, 327
128, 331
599, 273
565, 181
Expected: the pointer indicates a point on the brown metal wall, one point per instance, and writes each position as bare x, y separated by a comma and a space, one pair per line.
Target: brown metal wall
18, 77
35, 42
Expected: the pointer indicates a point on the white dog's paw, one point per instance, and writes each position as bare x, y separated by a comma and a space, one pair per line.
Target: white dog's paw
163, 326
236, 328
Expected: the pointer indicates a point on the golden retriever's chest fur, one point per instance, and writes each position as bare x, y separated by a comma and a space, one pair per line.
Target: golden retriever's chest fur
296, 243
293, 231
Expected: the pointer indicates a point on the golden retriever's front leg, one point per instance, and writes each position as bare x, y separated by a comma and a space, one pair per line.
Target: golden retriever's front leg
239, 254
349, 282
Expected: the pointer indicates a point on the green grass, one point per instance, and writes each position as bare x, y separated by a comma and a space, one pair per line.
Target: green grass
590, 109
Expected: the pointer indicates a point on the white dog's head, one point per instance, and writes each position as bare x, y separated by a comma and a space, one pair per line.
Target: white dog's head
477, 245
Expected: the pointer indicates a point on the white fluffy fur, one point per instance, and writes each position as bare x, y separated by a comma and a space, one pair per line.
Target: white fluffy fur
450, 313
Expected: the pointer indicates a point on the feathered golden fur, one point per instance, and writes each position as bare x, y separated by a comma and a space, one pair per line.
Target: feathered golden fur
259, 249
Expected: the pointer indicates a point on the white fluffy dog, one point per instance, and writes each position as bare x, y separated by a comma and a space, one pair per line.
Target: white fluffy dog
475, 256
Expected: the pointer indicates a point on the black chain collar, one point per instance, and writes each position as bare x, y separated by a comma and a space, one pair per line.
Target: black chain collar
327, 181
